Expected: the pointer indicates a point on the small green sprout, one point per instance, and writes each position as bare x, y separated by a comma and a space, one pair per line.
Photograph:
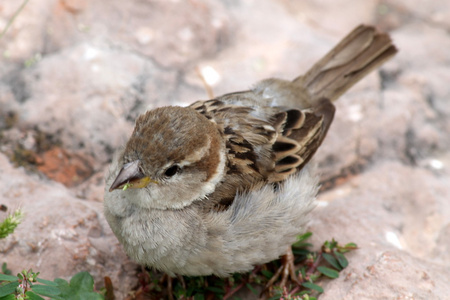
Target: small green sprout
127, 186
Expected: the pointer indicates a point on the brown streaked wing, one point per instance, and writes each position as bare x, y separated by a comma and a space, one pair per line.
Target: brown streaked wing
263, 151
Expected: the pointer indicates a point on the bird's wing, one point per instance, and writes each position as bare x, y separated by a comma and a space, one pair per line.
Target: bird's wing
264, 144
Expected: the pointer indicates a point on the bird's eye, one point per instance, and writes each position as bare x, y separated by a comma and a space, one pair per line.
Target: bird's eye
172, 171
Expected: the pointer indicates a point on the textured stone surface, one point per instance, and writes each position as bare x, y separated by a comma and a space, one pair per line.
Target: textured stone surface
399, 215
74, 74
61, 234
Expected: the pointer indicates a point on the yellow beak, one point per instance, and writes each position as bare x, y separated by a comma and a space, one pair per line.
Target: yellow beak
131, 177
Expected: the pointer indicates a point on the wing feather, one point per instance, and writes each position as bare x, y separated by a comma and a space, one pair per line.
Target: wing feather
264, 144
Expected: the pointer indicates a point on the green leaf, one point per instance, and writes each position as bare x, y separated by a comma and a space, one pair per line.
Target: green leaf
81, 287
303, 272
342, 259
328, 272
8, 277
304, 236
300, 251
267, 273
313, 277
82, 281
63, 286
313, 286
5, 269
33, 296
351, 246
199, 297
61, 282
47, 282
300, 243
8, 297
46, 290
215, 290
9, 288
304, 293
332, 261
190, 291
277, 295
252, 289
347, 248
84, 296
328, 246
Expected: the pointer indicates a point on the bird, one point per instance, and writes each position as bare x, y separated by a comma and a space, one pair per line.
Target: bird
222, 185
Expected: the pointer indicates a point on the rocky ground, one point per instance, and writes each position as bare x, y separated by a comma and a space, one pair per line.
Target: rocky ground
74, 74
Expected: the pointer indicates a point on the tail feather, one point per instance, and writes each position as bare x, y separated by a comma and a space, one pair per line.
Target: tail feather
361, 51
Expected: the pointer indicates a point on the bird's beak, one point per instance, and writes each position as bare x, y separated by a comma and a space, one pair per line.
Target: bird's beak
130, 177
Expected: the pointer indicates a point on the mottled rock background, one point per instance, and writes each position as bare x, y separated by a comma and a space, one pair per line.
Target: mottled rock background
74, 74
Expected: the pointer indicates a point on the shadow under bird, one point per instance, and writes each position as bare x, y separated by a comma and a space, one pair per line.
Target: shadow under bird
224, 184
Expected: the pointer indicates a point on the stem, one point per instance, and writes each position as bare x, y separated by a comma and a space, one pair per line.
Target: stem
13, 18
314, 266
230, 293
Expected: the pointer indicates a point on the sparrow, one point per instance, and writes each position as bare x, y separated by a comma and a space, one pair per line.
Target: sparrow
222, 185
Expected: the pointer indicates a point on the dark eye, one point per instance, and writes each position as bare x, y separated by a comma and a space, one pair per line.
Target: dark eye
172, 171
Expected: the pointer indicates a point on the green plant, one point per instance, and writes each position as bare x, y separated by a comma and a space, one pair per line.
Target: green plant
312, 267
10, 223
27, 285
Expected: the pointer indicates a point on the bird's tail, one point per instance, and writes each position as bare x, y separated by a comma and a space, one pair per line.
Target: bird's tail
361, 51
